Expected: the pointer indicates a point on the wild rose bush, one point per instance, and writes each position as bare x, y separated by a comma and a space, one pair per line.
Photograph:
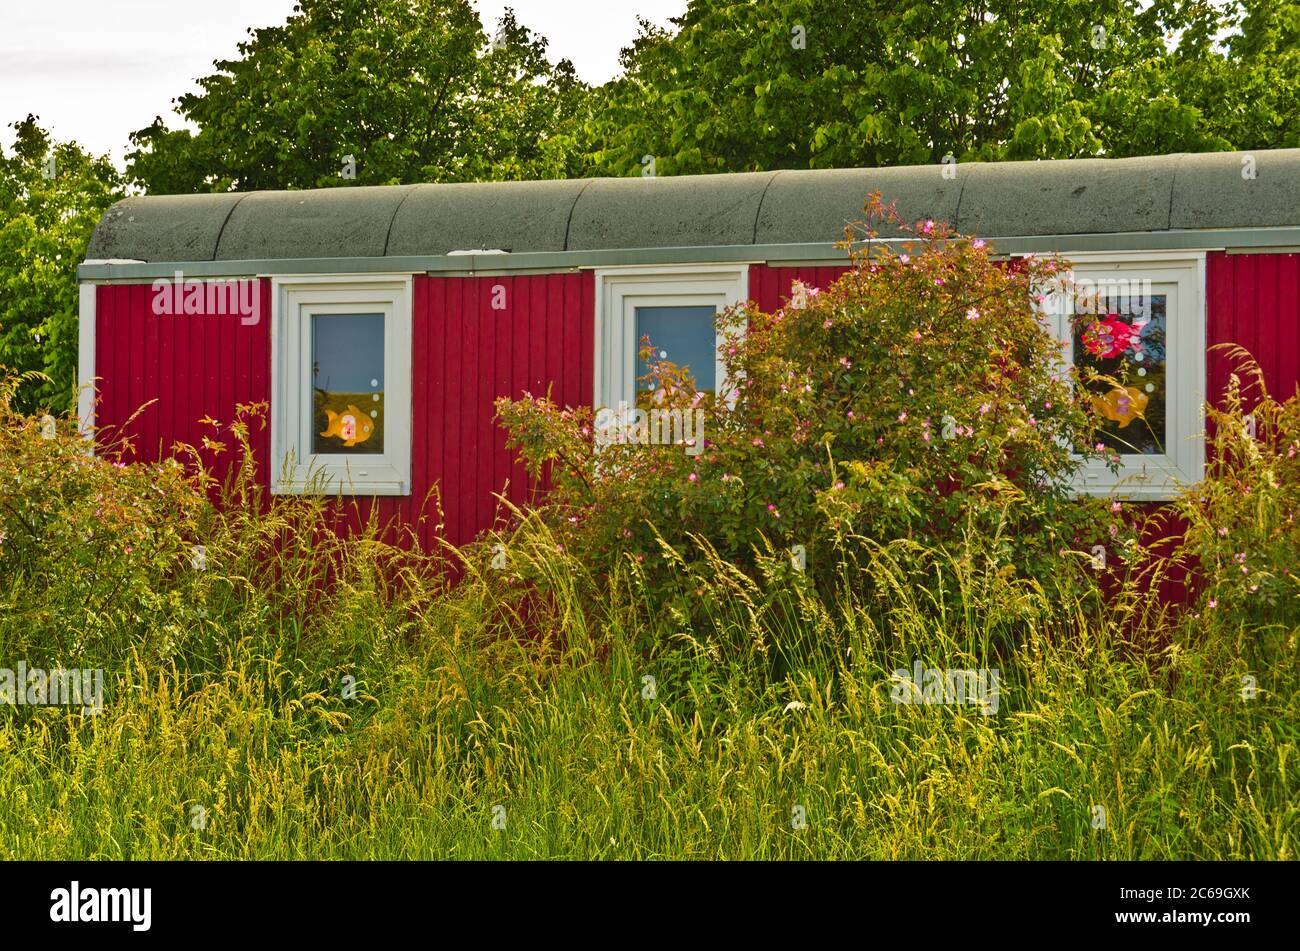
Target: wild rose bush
918, 398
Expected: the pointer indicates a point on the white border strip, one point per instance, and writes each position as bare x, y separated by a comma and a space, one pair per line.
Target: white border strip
86, 387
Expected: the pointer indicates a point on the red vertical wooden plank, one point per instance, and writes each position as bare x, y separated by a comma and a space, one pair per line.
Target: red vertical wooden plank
754, 282
438, 370
1267, 329
568, 327
384, 508
1219, 320
773, 287
471, 424
1245, 320
1289, 326
419, 400
259, 373
122, 353
136, 346
119, 357
169, 383
244, 335
1217, 277
519, 382
183, 389
122, 346
587, 340
455, 388
553, 335
198, 378
757, 278
485, 321
103, 305
537, 296
537, 335
229, 329
502, 477
132, 361
104, 369
152, 376
211, 386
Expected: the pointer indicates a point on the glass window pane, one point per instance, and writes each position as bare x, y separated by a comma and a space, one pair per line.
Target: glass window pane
683, 335
347, 379
1122, 338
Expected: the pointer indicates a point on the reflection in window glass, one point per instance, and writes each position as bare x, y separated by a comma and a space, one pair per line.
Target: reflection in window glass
683, 335
347, 379
1119, 346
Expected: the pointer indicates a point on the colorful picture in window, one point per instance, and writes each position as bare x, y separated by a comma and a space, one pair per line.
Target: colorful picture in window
1119, 348
683, 335
347, 380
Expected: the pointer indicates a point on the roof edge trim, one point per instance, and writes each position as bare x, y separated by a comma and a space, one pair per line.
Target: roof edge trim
1259, 239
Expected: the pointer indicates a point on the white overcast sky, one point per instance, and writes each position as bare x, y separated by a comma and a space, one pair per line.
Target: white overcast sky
95, 71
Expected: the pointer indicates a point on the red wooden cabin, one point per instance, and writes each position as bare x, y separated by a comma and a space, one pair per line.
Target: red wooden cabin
380, 323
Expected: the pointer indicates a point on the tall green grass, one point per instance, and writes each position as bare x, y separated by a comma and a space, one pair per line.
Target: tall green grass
314, 696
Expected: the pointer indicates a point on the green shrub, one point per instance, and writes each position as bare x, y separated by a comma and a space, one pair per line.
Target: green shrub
916, 399
1242, 532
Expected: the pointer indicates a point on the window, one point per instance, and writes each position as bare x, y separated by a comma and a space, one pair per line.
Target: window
341, 385
1134, 326
677, 309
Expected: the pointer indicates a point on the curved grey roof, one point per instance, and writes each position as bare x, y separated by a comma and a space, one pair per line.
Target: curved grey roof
1005, 199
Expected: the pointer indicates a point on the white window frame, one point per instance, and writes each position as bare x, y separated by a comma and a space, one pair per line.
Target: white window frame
619, 291
295, 469
1151, 477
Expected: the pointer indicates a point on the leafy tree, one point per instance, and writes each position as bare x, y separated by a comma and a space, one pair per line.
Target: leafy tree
1250, 95
47, 212
760, 84
413, 90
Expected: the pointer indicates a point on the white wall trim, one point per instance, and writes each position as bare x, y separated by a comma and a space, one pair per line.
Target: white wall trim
86, 384
388, 473
1155, 477
721, 284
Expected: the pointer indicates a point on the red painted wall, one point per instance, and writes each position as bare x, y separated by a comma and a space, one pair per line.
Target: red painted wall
464, 355
1251, 299
769, 287
1254, 300
193, 366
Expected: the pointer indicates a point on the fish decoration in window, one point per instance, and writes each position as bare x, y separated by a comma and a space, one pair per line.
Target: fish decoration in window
1123, 404
352, 426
